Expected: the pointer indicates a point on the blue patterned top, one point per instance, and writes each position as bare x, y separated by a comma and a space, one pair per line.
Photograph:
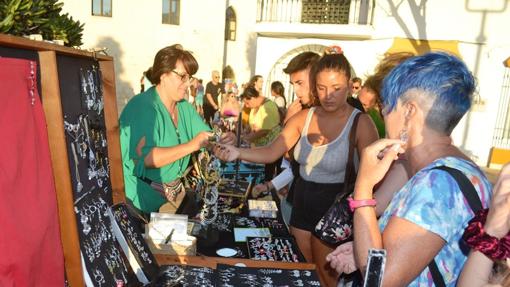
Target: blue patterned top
432, 200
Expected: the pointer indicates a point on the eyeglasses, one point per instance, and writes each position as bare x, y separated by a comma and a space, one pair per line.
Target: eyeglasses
185, 78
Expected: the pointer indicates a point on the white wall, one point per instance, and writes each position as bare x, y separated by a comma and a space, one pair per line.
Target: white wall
134, 34
483, 43
241, 53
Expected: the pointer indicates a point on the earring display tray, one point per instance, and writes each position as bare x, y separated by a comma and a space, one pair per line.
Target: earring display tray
127, 231
276, 227
185, 276
274, 249
228, 275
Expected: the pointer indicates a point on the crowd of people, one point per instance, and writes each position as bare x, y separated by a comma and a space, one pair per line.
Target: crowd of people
407, 198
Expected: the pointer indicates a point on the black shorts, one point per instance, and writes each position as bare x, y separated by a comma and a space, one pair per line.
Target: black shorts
311, 201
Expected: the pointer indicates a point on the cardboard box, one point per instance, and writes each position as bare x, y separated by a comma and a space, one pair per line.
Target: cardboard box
180, 247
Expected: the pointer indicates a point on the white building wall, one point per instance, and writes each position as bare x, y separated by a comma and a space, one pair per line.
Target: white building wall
483, 44
241, 53
135, 33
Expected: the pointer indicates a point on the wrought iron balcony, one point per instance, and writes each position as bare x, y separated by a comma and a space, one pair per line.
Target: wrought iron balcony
315, 11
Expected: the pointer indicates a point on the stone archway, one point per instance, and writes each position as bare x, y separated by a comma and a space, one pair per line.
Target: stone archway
277, 74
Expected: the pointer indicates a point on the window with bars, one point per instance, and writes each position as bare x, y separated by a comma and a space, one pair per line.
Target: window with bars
230, 24
325, 11
171, 12
501, 137
102, 8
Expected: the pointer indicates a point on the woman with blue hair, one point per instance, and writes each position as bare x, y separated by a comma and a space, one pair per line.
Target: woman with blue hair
424, 98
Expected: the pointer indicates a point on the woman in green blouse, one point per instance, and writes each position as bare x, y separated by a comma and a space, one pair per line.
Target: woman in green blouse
159, 130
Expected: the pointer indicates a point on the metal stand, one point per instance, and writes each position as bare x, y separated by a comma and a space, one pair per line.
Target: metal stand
238, 133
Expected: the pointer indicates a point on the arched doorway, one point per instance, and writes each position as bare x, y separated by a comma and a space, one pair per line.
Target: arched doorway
277, 74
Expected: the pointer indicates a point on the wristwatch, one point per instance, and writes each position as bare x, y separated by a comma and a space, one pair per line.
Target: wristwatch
353, 204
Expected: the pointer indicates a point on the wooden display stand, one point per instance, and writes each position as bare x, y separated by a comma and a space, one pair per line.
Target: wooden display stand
47, 54
211, 262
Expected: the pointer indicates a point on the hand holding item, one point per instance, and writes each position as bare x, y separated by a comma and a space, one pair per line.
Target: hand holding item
282, 192
226, 152
228, 138
247, 137
259, 189
342, 259
375, 162
498, 219
201, 140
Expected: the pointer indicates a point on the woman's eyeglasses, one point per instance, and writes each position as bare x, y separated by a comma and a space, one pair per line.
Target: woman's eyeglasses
185, 78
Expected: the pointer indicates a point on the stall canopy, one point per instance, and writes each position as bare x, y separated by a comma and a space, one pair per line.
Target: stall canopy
419, 47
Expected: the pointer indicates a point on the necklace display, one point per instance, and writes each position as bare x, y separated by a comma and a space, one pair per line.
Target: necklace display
88, 143
91, 92
210, 167
87, 146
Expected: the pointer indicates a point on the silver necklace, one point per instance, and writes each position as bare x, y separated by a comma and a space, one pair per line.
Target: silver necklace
79, 185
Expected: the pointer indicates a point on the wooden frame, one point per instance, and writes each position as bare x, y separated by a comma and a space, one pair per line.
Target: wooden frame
51, 98
211, 262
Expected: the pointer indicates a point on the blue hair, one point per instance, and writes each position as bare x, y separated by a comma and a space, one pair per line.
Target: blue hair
441, 77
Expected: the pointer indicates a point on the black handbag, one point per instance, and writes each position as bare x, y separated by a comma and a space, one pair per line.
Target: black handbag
335, 227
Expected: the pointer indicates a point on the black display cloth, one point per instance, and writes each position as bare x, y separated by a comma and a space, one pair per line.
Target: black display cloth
220, 234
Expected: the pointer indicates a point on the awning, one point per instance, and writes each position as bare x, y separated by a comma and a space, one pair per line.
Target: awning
419, 47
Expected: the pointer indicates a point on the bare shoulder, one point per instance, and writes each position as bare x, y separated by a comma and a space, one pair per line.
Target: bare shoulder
299, 118
365, 120
366, 132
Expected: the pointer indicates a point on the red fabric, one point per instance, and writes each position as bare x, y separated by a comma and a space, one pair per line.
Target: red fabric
476, 238
30, 247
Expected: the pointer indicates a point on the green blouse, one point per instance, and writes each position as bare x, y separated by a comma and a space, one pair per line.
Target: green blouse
378, 121
146, 116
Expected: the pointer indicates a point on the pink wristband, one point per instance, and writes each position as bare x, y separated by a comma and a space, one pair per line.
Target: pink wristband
353, 204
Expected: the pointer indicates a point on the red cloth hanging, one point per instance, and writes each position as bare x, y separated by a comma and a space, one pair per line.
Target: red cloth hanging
30, 247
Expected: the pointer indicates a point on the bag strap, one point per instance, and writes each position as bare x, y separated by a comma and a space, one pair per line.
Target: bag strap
465, 186
474, 202
350, 171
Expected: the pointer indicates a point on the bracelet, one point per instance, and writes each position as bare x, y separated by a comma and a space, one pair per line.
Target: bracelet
477, 239
353, 204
